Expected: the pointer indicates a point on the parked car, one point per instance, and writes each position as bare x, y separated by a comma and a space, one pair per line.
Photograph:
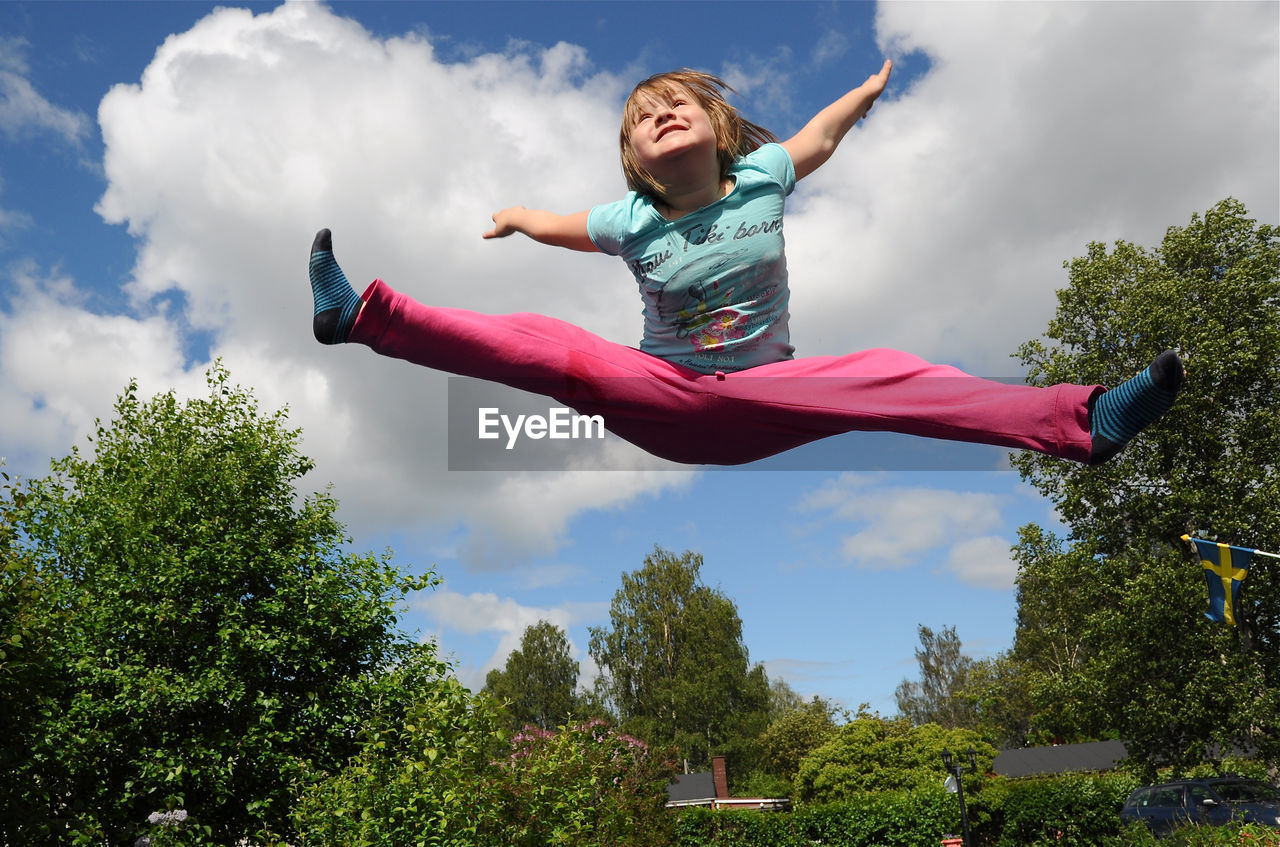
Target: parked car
1203, 802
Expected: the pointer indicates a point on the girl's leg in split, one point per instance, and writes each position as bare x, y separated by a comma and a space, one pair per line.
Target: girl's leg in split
643, 399
781, 405
785, 404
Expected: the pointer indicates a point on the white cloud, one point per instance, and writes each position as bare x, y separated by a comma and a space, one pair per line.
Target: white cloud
900, 525
984, 561
810, 678
23, 110
832, 45
248, 133
941, 225
12, 220
62, 366
766, 79
487, 613
939, 228
25, 113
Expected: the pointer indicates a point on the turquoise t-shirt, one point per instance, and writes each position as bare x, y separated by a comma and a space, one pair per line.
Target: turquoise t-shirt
714, 282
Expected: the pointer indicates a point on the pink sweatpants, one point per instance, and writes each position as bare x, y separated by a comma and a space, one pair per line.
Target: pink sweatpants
685, 416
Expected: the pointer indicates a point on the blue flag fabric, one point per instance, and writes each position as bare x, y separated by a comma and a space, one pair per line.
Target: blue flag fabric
1225, 567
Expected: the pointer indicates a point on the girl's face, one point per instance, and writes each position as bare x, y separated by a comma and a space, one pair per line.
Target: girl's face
668, 126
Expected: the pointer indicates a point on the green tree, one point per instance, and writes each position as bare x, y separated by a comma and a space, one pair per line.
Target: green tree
1064, 595
1137, 657
999, 690
217, 646
31, 683
937, 697
871, 753
538, 681
796, 733
425, 772
674, 667
782, 697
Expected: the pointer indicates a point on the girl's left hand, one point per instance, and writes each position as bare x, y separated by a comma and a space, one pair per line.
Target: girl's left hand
505, 222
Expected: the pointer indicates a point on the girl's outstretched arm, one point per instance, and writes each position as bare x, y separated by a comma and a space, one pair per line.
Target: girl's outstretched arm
813, 145
545, 227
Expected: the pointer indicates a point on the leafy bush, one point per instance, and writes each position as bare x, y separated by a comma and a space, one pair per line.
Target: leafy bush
893, 819
443, 777
1072, 808
424, 775
703, 827
760, 784
875, 754
582, 786
1232, 835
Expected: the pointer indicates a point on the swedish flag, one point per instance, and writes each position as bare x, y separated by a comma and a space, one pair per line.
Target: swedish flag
1225, 567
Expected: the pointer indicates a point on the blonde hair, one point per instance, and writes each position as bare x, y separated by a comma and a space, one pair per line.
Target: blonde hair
735, 136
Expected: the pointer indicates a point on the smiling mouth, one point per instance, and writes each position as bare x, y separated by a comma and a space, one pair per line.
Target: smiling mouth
670, 128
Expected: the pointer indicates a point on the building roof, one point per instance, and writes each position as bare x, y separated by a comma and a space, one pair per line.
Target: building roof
692, 786
1063, 758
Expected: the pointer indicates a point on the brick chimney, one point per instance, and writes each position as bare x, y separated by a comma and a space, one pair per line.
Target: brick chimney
721, 777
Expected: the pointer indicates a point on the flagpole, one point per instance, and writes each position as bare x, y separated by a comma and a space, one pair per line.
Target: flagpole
1255, 552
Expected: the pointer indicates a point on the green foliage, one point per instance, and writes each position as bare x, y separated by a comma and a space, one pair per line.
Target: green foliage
1230, 766
702, 827
583, 786
537, 683
944, 672
1231, 835
424, 774
31, 681
439, 775
796, 733
910, 819
760, 783
892, 819
782, 697
674, 667
1126, 651
872, 754
213, 644
999, 690
1059, 592
1073, 809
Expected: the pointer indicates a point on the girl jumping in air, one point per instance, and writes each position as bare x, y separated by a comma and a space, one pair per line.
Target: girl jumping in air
713, 380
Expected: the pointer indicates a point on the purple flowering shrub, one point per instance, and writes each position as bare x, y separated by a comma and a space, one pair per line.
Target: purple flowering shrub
585, 784
442, 775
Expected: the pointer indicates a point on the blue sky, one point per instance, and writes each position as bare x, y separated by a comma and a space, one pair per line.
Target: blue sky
163, 167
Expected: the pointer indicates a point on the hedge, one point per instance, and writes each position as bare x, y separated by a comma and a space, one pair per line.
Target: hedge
904, 819
1072, 809
1066, 811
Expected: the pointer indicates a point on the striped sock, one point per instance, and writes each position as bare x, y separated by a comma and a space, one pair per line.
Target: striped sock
1124, 411
337, 303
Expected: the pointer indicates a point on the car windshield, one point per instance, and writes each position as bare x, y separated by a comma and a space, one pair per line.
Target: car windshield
1247, 792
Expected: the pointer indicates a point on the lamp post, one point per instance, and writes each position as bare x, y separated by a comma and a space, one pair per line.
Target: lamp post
957, 770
